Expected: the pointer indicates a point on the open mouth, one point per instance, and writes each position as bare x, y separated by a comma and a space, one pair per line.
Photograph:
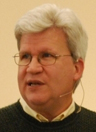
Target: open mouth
35, 83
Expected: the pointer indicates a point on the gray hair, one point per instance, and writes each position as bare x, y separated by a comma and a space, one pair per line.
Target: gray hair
49, 15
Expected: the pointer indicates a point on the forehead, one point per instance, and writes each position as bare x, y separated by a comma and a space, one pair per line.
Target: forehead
52, 38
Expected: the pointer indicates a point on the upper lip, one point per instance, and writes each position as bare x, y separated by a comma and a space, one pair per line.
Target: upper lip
29, 82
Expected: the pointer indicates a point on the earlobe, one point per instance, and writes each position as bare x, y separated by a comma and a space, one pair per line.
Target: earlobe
79, 67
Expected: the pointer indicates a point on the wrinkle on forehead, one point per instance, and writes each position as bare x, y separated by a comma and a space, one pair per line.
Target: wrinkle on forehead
49, 39
48, 32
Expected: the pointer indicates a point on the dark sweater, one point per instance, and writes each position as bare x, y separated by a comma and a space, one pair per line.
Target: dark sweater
14, 119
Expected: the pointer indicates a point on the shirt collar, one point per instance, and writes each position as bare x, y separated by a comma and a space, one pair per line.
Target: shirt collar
41, 118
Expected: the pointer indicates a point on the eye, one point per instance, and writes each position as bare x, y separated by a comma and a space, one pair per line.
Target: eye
47, 55
24, 56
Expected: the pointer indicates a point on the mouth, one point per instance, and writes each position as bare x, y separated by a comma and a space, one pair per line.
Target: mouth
35, 83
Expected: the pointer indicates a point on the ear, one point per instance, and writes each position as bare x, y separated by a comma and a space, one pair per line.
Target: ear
79, 67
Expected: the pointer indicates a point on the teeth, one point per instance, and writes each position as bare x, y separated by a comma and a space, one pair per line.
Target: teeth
32, 84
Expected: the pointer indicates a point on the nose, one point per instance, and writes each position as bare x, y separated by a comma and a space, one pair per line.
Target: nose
34, 67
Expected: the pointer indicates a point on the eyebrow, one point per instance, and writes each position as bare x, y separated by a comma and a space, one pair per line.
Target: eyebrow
24, 52
40, 50
44, 49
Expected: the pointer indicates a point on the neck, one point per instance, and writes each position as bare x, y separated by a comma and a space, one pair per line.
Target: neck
52, 110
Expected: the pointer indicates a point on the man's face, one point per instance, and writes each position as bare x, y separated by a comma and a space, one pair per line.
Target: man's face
42, 85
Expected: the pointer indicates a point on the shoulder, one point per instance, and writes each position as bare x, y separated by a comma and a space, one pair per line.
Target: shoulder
85, 111
9, 117
86, 119
9, 107
87, 116
88, 113
9, 111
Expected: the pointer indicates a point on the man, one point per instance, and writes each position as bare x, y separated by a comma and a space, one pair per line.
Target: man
52, 47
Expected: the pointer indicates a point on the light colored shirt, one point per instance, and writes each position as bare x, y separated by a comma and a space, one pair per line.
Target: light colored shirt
41, 118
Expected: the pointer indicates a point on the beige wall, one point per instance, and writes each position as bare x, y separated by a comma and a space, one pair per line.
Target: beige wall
10, 12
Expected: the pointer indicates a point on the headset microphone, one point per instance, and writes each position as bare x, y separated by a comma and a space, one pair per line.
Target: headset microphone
79, 109
66, 93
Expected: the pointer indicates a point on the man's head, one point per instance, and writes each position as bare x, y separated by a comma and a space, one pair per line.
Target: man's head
44, 33
49, 15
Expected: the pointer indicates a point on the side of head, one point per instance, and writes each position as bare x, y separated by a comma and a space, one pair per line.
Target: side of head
49, 15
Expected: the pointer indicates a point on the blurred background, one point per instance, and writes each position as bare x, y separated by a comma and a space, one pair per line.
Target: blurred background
10, 12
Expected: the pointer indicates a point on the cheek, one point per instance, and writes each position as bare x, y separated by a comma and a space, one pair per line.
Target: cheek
21, 74
59, 78
64, 74
54, 77
57, 74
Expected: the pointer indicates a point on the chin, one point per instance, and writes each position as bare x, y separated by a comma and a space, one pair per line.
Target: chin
36, 100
